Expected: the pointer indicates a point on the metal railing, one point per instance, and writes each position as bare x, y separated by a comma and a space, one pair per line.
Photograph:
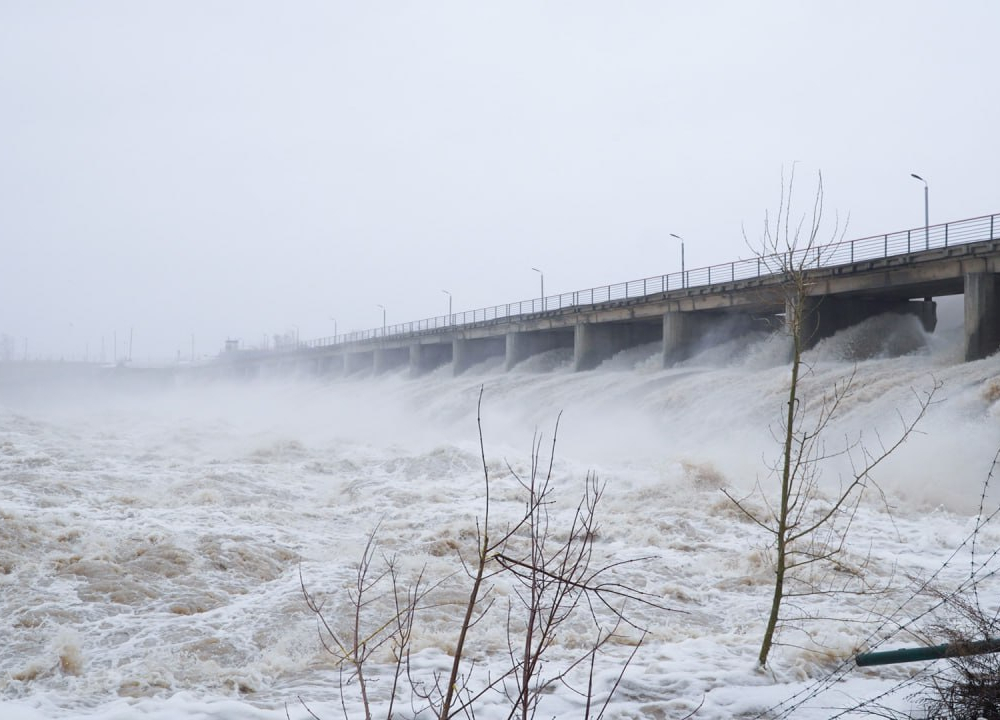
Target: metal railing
901, 243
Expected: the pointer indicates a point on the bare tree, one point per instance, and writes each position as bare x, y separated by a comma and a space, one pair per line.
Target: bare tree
556, 582
808, 528
354, 644
553, 580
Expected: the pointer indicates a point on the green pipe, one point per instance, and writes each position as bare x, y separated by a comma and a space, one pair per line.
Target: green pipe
933, 652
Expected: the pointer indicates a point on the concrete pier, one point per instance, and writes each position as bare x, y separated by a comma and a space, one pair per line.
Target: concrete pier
593, 343
685, 333
331, 365
520, 345
679, 330
389, 358
824, 316
358, 361
982, 315
466, 352
427, 357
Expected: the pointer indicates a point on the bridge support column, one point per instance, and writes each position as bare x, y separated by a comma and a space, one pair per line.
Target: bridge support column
593, 343
814, 324
520, 345
460, 356
380, 361
686, 332
982, 315
926, 311
356, 361
467, 352
424, 358
678, 336
515, 349
823, 316
332, 365
386, 359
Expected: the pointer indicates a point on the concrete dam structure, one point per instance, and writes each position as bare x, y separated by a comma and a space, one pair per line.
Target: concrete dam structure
844, 283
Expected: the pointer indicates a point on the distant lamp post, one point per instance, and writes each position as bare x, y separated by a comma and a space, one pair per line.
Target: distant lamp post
383, 319
541, 275
450, 319
927, 214
683, 274
334, 330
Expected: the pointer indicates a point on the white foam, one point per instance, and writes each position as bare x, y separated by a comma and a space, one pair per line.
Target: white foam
151, 542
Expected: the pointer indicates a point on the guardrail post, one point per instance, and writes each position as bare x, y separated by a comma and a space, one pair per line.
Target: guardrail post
946, 234
732, 271
907, 242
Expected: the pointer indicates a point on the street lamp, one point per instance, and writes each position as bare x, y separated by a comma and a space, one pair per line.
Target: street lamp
927, 216
383, 318
683, 274
449, 305
542, 276
334, 330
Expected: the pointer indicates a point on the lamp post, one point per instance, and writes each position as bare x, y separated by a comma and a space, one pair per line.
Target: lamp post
383, 319
927, 216
334, 330
542, 276
450, 319
683, 274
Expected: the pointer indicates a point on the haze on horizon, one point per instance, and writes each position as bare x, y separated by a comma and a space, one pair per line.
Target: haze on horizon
193, 172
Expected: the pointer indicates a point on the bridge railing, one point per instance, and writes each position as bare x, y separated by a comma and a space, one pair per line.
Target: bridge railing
901, 243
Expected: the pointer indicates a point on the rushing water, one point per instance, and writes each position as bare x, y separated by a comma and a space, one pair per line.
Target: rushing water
152, 540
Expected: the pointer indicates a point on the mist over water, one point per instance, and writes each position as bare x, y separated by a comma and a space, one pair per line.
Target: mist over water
151, 537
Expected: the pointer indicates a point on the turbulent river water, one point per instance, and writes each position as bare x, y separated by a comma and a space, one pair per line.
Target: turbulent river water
154, 541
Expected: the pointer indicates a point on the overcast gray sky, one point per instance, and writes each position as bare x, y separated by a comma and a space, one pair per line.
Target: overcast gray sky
242, 168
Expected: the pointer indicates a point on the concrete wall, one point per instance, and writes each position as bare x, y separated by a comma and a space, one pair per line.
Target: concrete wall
358, 361
428, 357
823, 316
466, 352
982, 321
593, 343
520, 345
330, 365
684, 333
385, 359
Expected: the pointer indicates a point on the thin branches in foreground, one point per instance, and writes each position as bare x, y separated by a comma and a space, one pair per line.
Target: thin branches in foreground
557, 586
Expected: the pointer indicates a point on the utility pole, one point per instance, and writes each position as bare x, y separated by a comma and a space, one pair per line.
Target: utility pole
542, 277
683, 274
927, 215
